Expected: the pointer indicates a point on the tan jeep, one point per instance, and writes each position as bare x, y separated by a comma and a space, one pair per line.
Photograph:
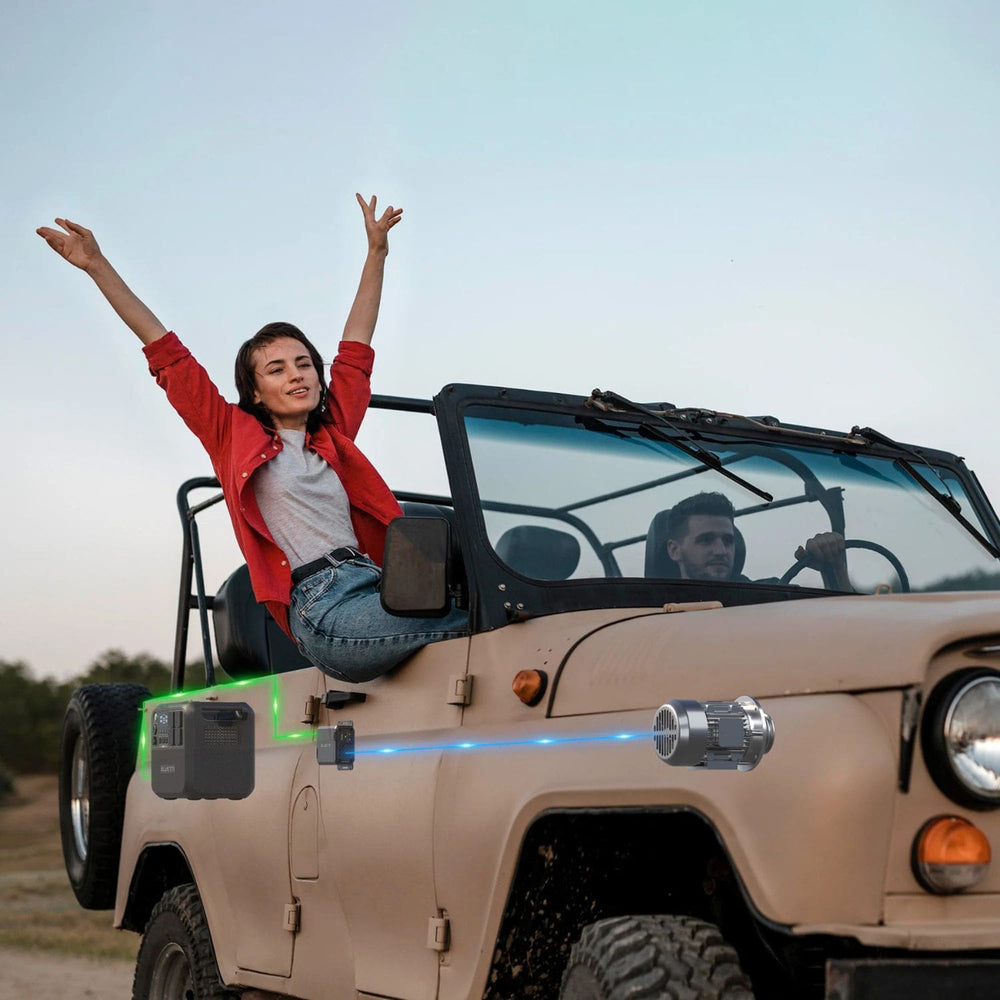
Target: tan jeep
503, 826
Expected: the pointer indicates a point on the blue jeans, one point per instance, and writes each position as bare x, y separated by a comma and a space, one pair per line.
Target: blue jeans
338, 623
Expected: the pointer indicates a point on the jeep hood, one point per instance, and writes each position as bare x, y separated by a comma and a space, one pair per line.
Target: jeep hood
767, 650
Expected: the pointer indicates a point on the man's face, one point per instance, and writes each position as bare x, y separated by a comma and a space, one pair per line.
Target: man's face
707, 550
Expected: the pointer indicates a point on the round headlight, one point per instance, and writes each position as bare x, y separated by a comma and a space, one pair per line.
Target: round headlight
961, 737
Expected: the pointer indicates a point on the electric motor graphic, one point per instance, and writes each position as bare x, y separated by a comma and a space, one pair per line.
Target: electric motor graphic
715, 735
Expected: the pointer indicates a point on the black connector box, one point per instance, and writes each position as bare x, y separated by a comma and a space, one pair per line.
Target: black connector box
202, 750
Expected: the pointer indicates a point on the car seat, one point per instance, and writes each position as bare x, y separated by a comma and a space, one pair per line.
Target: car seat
249, 642
247, 639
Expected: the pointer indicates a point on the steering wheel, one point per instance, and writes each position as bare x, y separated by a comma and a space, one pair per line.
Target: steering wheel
858, 543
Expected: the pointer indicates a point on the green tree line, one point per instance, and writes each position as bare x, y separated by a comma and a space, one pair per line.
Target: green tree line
33, 709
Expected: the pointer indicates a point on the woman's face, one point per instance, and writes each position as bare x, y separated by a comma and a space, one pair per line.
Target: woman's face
287, 382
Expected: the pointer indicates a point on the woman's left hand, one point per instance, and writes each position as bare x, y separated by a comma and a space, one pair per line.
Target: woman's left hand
378, 229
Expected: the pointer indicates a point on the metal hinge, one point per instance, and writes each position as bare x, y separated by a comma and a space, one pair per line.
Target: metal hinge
459, 689
293, 915
310, 713
438, 933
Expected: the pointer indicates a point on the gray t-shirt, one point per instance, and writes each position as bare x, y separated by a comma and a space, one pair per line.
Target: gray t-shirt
303, 502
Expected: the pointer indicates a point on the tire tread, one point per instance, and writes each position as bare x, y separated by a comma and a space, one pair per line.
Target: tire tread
184, 904
105, 716
652, 957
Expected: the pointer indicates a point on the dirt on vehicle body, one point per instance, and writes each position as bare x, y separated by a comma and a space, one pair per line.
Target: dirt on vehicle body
468, 842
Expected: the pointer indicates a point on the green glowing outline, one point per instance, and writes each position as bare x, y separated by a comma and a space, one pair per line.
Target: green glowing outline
144, 759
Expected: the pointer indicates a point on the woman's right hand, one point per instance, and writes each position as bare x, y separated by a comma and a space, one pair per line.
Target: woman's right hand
80, 248
76, 244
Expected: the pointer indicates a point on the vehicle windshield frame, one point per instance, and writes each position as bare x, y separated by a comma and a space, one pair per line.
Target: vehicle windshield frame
506, 595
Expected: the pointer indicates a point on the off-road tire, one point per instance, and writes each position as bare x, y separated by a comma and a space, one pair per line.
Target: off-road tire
96, 760
176, 959
681, 958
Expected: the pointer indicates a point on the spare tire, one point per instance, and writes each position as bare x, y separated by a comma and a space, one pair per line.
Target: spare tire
100, 739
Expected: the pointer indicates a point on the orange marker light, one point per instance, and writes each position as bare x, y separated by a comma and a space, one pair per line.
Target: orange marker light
950, 854
530, 685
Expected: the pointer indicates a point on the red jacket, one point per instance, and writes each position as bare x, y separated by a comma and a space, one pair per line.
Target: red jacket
238, 444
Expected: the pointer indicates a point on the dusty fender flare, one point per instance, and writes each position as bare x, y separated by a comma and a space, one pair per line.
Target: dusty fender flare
96, 760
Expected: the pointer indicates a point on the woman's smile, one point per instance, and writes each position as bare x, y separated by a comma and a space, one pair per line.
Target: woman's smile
287, 382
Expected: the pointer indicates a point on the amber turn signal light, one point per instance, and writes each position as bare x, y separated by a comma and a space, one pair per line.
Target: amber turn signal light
950, 854
530, 685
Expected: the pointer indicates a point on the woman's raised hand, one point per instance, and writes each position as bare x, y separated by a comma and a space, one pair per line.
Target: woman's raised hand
80, 248
76, 244
378, 229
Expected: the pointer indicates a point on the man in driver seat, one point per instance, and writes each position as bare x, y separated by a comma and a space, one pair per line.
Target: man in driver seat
701, 540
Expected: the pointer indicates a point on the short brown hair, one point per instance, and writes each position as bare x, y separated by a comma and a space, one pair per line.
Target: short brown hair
710, 504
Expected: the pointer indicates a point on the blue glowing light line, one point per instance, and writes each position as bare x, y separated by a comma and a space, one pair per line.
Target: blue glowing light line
274, 707
493, 744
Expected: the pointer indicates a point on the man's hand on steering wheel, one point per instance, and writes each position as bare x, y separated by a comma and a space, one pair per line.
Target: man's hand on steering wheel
825, 552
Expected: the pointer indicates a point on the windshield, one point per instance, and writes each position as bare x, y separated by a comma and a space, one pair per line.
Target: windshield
566, 497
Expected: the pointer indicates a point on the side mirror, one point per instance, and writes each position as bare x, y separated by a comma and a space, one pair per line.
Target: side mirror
415, 567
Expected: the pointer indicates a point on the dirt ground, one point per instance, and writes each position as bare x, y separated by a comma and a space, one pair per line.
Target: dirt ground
46, 976
50, 948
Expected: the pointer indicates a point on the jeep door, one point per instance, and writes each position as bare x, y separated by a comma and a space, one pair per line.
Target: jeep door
374, 841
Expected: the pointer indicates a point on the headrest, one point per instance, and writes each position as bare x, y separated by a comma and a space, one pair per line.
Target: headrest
660, 565
538, 552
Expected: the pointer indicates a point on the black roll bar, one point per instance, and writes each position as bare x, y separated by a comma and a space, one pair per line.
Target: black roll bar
191, 565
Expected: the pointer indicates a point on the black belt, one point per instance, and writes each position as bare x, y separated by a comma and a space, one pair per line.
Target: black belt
334, 558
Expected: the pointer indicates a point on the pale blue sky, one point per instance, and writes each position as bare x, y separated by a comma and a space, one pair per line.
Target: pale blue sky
758, 207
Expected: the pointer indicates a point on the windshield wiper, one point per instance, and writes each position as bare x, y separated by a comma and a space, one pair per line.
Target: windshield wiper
946, 500
679, 439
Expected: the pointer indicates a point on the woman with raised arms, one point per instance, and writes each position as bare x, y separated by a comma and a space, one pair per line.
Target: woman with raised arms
309, 510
